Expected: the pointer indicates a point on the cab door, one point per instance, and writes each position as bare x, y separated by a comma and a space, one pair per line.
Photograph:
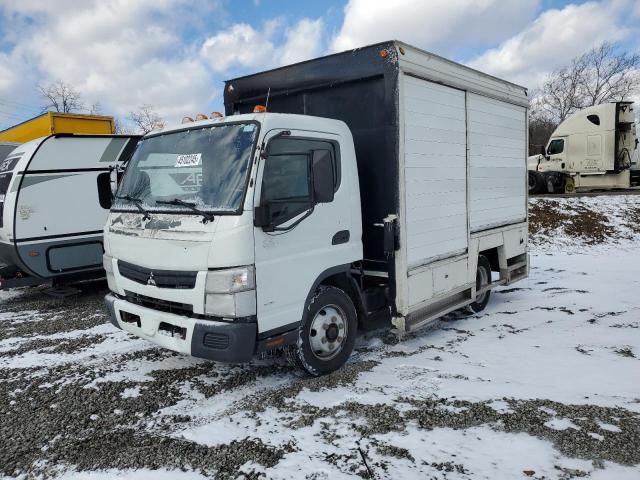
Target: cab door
299, 242
556, 154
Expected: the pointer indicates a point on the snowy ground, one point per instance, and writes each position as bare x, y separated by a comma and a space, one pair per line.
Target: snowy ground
544, 384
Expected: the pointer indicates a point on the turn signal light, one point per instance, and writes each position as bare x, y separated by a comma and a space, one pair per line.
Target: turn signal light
259, 109
187, 119
216, 115
201, 116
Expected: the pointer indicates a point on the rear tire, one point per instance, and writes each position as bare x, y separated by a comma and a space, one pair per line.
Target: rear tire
536, 183
328, 331
483, 278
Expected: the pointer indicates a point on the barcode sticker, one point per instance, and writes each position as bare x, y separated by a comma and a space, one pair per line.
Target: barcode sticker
191, 160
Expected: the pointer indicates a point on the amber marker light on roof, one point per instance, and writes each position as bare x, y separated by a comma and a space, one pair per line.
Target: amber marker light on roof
216, 115
187, 119
259, 109
201, 116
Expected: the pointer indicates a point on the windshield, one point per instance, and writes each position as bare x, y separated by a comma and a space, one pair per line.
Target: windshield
206, 167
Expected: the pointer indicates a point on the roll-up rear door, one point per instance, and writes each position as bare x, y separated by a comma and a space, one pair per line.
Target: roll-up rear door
497, 161
435, 171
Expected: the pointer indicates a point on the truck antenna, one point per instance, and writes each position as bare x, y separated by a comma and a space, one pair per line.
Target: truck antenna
266, 104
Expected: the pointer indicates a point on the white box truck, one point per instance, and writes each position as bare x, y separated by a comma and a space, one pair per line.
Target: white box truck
381, 183
593, 149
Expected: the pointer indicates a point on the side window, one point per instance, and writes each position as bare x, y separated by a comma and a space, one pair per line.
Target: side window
287, 180
555, 147
595, 119
286, 185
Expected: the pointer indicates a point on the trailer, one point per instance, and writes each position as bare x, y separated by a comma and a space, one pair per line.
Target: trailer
380, 183
55, 194
52, 123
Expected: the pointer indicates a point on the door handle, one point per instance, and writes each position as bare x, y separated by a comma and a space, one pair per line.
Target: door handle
340, 237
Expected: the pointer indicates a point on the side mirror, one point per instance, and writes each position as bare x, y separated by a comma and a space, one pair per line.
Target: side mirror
543, 151
104, 190
637, 141
322, 167
262, 216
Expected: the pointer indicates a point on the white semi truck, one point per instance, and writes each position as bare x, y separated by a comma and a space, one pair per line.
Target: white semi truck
593, 149
382, 183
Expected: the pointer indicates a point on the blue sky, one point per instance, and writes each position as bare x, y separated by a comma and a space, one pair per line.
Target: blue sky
175, 54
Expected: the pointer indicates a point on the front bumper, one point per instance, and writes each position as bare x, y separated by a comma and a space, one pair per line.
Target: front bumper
209, 339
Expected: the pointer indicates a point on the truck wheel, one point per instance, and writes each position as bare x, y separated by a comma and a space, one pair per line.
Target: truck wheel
328, 331
536, 183
483, 278
569, 185
555, 183
550, 184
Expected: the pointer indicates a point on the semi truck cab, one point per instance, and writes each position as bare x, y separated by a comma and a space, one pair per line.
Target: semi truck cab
592, 149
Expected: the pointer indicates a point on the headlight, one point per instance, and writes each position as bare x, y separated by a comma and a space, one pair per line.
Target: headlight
231, 280
231, 292
107, 263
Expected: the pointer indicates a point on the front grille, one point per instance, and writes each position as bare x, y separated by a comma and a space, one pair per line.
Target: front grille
159, 278
217, 341
158, 304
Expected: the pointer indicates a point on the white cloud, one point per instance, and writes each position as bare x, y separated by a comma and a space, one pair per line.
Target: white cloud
244, 46
239, 45
553, 39
303, 41
119, 53
440, 26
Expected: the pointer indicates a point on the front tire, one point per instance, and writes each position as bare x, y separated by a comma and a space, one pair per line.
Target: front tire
483, 279
536, 183
328, 331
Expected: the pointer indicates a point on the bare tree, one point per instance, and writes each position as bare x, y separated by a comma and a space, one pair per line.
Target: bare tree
146, 119
611, 76
60, 97
95, 109
560, 94
121, 128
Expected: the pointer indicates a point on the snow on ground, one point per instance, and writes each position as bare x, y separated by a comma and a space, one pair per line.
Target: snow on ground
545, 383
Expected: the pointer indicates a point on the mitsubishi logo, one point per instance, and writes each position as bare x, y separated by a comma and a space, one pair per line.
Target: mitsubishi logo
151, 280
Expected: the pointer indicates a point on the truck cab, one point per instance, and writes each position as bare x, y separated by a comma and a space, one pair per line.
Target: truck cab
183, 255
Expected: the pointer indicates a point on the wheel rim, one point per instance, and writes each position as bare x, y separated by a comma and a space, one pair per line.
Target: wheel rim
328, 332
484, 281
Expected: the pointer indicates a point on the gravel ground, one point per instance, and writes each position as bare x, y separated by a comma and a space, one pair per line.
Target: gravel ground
78, 395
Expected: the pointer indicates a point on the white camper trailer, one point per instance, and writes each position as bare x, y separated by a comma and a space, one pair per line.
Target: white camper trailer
54, 198
384, 182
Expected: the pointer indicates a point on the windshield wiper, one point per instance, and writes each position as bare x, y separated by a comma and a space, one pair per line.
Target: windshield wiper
138, 203
208, 217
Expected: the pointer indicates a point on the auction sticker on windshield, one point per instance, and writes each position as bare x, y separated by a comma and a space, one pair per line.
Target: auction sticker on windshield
190, 160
